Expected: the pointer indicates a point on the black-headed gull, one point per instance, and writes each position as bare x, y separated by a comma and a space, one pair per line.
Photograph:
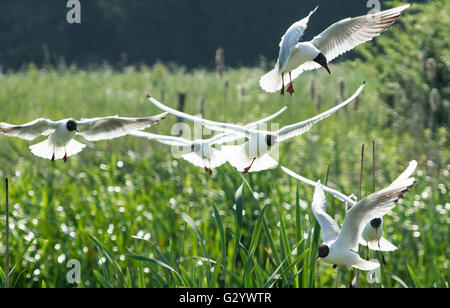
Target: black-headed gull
296, 57
60, 143
339, 246
372, 234
254, 155
201, 152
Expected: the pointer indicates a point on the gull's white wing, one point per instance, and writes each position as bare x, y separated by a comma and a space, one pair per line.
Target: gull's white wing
373, 206
290, 39
330, 228
302, 127
29, 131
351, 32
332, 191
169, 140
229, 137
407, 173
112, 127
223, 127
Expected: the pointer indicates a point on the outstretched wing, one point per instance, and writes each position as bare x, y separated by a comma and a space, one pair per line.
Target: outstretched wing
330, 228
351, 32
29, 131
373, 206
407, 173
223, 127
332, 191
290, 39
169, 140
114, 126
302, 127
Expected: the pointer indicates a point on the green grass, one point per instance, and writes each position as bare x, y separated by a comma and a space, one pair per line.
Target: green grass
136, 217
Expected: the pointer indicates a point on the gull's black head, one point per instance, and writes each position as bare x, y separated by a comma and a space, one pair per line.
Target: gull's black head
195, 147
271, 140
322, 60
71, 126
376, 223
324, 250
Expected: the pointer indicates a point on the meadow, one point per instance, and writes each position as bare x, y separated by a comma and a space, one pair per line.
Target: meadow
134, 216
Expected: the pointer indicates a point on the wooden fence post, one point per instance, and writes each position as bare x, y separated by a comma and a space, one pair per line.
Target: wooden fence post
7, 236
220, 61
181, 102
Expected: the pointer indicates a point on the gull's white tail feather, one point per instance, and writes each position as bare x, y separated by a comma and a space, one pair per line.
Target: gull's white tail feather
384, 245
193, 159
264, 162
46, 150
43, 149
271, 82
238, 158
74, 147
366, 265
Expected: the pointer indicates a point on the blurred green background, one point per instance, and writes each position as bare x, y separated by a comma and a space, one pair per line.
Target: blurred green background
134, 216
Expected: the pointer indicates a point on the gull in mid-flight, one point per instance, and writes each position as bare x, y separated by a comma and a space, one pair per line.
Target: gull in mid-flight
201, 152
296, 57
254, 155
60, 143
240, 131
372, 234
340, 247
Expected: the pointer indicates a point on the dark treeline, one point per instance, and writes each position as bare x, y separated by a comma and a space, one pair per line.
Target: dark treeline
186, 32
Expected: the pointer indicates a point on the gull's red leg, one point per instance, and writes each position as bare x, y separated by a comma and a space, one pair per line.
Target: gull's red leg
53, 158
382, 255
290, 89
65, 158
246, 170
282, 84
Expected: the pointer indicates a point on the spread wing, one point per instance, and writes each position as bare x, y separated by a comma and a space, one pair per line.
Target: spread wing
332, 191
330, 228
373, 206
290, 39
407, 173
223, 127
169, 140
297, 129
351, 32
29, 131
114, 126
